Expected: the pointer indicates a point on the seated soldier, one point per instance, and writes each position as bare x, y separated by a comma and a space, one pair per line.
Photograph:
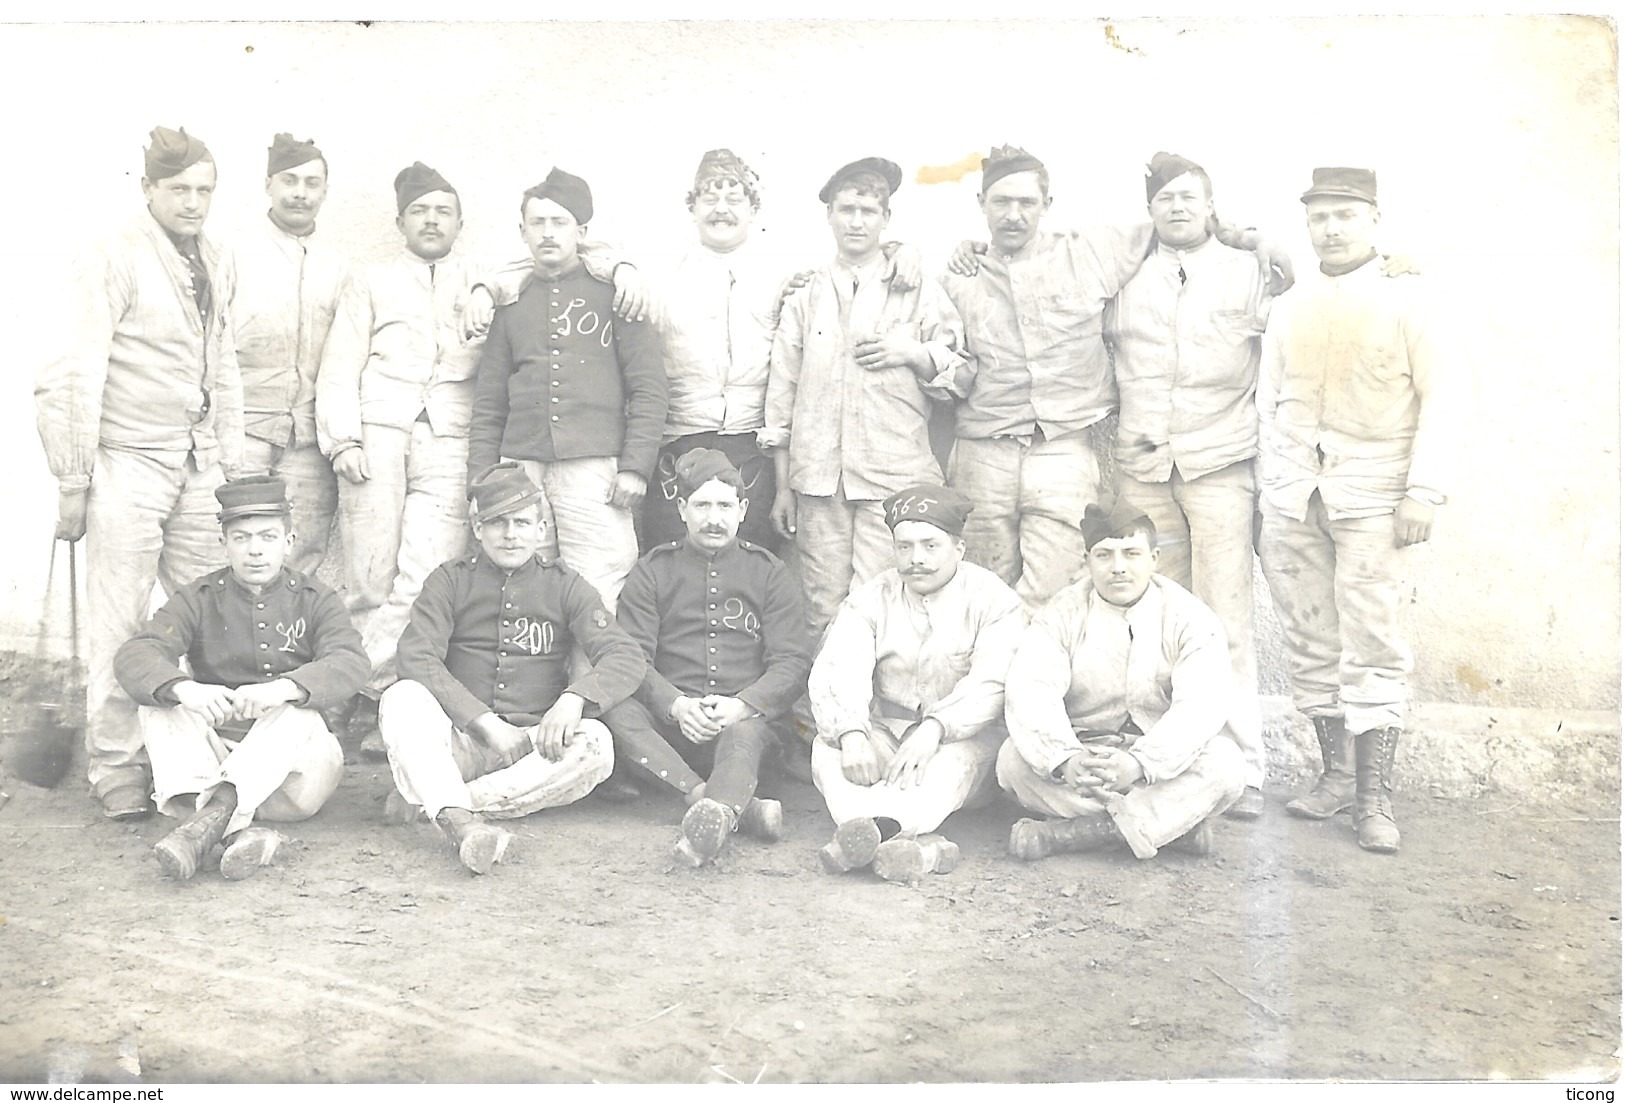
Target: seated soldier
485, 720
908, 693
1116, 705
240, 738
722, 624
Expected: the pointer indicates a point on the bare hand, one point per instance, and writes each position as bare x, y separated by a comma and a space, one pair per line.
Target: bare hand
1275, 266
890, 350
726, 711
966, 260
1398, 264
628, 491
71, 507
907, 274
559, 725
351, 465
1116, 770
1413, 522
908, 765
1079, 773
783, 514
793, 284
215, 704
478, 312
631, 293
509, 742
859, 763
254, 700
696, 724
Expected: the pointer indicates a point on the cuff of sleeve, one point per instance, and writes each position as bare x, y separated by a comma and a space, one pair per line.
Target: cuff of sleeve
303, 689
1057, 759
341, 447
588, 688
1151, 775
771, 437
951, 732
165, 694
661, 698
1426, 496
73, 484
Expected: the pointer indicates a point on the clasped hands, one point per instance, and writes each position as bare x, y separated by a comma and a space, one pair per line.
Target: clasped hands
218, 704
861, 762
701, 719
1096, 771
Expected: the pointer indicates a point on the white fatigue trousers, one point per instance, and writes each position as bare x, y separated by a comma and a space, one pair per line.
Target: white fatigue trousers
594, 539
407, 518
959, 775
1158, 813
1028, 500
841, 543
146, 523
1205, 533
313, 495
283, 769
438, 766
1337, 587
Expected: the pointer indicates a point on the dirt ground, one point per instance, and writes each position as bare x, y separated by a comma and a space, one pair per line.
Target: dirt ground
1489, 948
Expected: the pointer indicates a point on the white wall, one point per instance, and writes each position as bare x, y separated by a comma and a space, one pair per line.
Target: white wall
1495, 140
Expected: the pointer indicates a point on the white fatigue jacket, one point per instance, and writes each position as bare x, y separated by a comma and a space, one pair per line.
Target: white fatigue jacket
716, 313
1085, 664
287, 291
1033, 330
1185, 338
1353, 397
863, 431
894, 656
141, 369
396, 350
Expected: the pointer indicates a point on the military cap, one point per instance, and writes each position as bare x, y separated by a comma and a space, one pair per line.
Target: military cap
1002, 161
1344, 183
698, 466
172, 152
287, 152
942, 506
415, 181
1121, 521
569, 192
1165, 167
502, 488
723, 164
254, 496
886, 170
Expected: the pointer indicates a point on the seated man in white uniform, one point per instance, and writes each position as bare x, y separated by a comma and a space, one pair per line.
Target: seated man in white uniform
1116, 705
908, 693
486, 719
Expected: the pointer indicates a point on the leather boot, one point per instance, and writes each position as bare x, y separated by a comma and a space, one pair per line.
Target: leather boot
182, 850
763, 819
706, 827
479, 845
1335, 790
1034, 839
853, 846
1198, 841
1374, 771
250, 848
907, 858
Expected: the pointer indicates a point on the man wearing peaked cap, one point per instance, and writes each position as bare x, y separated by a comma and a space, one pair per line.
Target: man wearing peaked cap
721, 623
394, 395
908, 693
1184, 334
288, 278
860, 171
716, 312
237, 737
140, 414
1116, 705
1041, 387
576, 394
487, 720
1356, 443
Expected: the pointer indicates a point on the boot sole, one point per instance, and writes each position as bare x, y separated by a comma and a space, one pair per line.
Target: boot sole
853, 846
244, 857
706, 826
763, 819
177, 866
483, 848
908, 859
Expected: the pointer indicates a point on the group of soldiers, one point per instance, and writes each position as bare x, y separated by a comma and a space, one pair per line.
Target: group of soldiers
979, 589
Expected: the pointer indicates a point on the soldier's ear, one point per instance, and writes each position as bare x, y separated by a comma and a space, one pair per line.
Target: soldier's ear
744, 504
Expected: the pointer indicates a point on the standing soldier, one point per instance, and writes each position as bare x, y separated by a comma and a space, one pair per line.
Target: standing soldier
1185, 339
1354, 460
288, 280
575, 395
393, 400
140, 417
716, 313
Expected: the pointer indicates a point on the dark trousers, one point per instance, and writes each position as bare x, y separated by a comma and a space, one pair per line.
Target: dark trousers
658, 749
661, 523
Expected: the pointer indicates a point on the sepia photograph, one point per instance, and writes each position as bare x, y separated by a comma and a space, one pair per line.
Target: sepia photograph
812, 551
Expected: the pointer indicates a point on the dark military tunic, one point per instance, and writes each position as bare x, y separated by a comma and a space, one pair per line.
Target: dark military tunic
730, 624
296, 629
482, 639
